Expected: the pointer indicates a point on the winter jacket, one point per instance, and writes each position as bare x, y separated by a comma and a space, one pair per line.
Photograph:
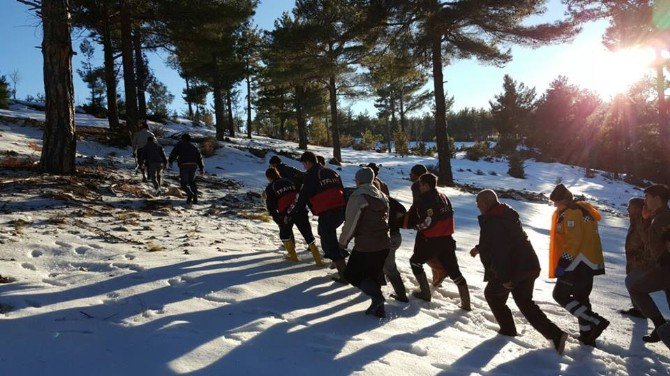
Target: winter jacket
186, 154
504, 248
321, 189
366, 220
416, 192
636, 256
140, 138
381, 186
152, 153
291, 173
653, 244
279, 195
574, 239
396, 215
432, 215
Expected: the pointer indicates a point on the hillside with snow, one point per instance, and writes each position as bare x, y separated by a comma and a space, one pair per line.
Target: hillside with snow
109, 279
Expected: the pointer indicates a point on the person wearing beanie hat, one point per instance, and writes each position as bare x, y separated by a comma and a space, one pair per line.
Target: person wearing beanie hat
575, 257
366, 222
189, 160
286, 171
323, 192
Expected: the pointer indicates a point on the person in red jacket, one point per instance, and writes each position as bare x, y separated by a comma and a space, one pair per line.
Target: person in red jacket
323, 192
433, 217
279, 195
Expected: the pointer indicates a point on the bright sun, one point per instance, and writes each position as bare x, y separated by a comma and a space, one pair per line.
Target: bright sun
608, 73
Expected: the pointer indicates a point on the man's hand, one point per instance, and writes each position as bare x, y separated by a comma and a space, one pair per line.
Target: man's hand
474, 251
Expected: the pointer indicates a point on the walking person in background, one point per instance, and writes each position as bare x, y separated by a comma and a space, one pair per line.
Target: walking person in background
510, 266
152, 157
189, 160
138, 142
575, 257
286, 171
636, 258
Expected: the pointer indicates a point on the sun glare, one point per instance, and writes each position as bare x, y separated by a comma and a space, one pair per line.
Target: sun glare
609, 73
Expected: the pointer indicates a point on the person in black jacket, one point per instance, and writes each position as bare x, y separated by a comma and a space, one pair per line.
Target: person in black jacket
189, 159
510, 266
286, 171
152, 157
279, 195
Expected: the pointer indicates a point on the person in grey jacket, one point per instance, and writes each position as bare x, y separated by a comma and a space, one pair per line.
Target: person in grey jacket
152, 158
138, 142
366, 221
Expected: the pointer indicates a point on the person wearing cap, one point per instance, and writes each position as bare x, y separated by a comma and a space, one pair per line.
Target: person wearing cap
438, 272
286, 171
138, 142
323, 192
575, 257
378, 182
366, 222
189, 160
510, 266
279, 195
152, 157
432, 215
657, 277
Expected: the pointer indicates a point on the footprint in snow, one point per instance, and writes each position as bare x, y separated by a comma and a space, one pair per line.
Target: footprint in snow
63, 244
36, 254
29, 266
81, 250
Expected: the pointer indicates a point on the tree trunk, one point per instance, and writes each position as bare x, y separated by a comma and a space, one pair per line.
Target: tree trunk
282, 131
219, 113
190, 105
663, 126
402, 112
59, 141
335, 128
248, 106
129, 84
231, 120
110, 83
142, 75
443, 153
389, 134
300, 117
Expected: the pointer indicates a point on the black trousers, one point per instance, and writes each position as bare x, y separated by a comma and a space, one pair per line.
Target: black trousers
444, 249
301, 221
496, 296
572, 292
187, 180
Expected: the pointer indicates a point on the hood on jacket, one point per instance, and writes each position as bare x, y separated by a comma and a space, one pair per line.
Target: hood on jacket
370, 191
590, 209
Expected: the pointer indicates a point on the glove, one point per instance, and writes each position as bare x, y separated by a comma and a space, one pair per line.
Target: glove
563, 263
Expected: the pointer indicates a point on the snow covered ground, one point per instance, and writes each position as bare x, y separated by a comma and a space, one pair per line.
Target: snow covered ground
105, 287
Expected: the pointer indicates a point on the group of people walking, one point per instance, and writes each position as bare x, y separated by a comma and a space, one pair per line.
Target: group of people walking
373, 219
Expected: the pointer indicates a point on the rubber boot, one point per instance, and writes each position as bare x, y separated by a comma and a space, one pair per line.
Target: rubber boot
290, 248
316, 255
373, 290
465, 296
654, 337
399, 288
340, 265
424, 292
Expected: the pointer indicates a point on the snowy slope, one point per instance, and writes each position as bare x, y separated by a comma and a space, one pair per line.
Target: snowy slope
219, 299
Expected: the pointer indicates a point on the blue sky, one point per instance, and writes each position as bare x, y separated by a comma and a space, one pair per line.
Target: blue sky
471, 83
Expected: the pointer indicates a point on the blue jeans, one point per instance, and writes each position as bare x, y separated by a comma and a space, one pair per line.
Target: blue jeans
327, 230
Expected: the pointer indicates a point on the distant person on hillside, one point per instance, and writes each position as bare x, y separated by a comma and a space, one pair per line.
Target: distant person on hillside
439, 274
575, 257
279, 195
634, 246
152, 158
657, 277
433, 217
366, 221
189, 159
510, 266
286, 171
139, 141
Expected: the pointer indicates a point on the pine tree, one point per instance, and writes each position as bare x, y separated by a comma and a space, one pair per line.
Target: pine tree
4, 92
401, 143
511, 111
159, 99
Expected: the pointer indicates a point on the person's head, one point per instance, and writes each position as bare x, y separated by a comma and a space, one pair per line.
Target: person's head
635, 206
416, 172
427, 182
656, 197
321, 160
364, 176
375, 168
561, 197
186, 137
308, 159
272, 174
486, 199
151, 139
275, 161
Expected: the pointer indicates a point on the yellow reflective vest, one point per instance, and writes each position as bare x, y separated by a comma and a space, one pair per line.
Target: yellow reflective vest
574, 235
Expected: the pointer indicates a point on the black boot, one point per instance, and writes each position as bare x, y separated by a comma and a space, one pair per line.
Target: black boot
373, 290
465, 296
400, 293
653, 336
340, 265
424, 292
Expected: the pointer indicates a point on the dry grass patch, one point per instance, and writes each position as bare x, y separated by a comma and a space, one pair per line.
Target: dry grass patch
57, 219
153, 247
259, 216
208, 146
17, 163
19, 225
34, 146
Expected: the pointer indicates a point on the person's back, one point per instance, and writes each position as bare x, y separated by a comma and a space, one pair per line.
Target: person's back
186, 153
372, 230
154, 153
322, 188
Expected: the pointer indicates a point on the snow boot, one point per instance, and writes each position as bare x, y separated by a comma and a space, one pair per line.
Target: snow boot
290, 248
373, 290
653, 336
400, 294
597, 330
340, 265
634, 312
559, 342
424, 292
315, 254
464, 292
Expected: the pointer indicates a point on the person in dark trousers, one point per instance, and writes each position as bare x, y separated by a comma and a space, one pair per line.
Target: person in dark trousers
664, 330
138, 142
634, 246
286, 171
575, 257
433, 217
366, 221
656, 277
189, 160
438, 271
279, 195
510, 266
152, 156
396, 215
323, 192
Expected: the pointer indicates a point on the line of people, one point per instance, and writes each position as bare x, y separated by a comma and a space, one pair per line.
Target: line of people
372, 219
